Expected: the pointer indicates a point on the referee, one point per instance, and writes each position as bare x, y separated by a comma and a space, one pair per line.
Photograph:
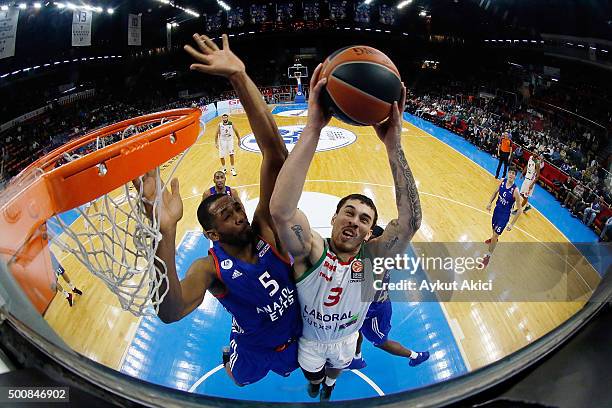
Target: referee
504, 151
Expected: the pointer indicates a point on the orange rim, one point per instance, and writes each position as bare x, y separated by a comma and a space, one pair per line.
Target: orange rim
43, 190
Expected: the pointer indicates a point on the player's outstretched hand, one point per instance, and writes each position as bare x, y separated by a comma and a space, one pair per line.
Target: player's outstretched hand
509, 227
318, 117
489, 207
170, 208
390, 131
212, 60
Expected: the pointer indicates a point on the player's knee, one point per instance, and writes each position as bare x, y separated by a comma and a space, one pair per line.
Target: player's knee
315, 377
228, 370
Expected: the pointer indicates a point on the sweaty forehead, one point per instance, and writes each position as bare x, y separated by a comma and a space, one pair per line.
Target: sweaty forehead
359, 207
221, 204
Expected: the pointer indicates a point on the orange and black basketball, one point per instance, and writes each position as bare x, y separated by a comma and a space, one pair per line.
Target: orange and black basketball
362, 84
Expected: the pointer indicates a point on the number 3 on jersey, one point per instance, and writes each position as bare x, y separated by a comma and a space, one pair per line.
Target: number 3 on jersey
269, 282
333, 297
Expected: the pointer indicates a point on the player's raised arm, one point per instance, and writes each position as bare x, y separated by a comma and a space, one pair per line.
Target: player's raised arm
213, 60
183, 296
292, 226
399, 231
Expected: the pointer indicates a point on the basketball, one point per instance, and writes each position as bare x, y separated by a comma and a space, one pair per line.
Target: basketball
362, 84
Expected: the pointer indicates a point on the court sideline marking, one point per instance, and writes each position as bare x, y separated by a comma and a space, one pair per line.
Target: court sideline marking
359, 374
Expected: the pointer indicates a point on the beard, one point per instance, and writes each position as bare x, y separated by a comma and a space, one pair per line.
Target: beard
245, 237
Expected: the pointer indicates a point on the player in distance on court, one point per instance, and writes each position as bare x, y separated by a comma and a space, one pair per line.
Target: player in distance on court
247, 269
224, 141
331, 273
220, 187
507, 194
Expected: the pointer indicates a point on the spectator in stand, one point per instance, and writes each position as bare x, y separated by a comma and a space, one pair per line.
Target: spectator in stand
574, 196
518, 154
604, 231
565, 189
591, 212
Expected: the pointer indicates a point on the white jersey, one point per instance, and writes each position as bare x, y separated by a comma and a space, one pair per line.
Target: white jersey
531, 169
330, 295
226, 131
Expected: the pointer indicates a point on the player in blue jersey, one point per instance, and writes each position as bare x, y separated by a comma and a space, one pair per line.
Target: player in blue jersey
220, 187
247, 269
507, 194
377, 325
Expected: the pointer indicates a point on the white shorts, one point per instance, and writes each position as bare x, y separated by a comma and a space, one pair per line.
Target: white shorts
525, 191
312, 355
226, 147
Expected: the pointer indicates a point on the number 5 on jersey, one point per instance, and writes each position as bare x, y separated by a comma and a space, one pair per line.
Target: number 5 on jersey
269, 282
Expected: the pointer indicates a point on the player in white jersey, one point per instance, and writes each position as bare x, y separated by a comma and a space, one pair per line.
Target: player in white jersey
224, 140
531, 173
330, 274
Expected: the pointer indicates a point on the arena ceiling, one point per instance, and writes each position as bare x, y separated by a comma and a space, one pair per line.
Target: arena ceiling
586, 18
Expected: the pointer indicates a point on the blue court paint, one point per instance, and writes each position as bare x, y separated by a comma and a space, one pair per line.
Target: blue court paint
291, 106
178, 354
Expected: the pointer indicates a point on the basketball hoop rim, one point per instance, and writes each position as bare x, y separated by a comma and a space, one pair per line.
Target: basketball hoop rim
185, 116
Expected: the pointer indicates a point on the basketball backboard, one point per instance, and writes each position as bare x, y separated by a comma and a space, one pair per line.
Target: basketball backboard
297, 71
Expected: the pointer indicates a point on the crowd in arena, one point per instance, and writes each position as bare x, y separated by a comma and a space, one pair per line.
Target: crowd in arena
573, 149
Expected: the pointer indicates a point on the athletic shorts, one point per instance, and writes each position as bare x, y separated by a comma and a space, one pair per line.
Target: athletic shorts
377, 324
499, 221
57, 268
525, 191
226, 147
314, 355
249, 365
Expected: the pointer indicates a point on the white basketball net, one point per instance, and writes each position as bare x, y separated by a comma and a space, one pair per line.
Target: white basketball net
116, 240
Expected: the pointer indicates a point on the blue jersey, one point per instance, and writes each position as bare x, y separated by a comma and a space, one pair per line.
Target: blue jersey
505, 198
261, 297
213, 191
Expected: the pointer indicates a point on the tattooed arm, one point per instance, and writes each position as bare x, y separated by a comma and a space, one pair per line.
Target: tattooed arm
305, 245
399, 231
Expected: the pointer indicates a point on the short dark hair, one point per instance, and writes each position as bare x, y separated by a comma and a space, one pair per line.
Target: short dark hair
206, 219
513, 168
361, 198
225, 114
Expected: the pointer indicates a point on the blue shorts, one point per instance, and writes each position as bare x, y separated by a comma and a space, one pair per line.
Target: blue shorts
57, 268
249, 365
377, 324
499, 221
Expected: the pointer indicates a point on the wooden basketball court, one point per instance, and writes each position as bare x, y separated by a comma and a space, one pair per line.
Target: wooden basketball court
454, 192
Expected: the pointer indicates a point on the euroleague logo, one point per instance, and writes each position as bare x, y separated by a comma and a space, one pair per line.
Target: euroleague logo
331, 138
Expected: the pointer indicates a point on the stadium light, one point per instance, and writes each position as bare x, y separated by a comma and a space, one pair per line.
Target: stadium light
367, 1
403, 4
224, 5
110, 10
423, 13
37, 5
60, 5
71, 6
23, 6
